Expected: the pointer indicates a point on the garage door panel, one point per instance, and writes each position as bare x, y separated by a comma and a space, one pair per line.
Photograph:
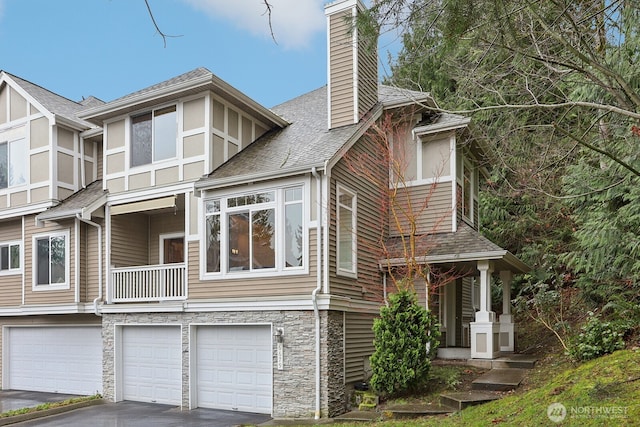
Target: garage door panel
234, 367
55, 359
152, 364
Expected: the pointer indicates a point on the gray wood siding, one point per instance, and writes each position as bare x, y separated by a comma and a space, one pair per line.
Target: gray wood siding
358, 345
434, 218
367, 75
129, 240
250, 287
62, 296
372, 223
341, 70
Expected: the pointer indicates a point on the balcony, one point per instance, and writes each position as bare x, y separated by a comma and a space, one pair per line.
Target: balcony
148, 283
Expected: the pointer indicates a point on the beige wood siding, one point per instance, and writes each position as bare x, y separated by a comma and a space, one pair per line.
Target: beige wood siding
4, 118
18, 107
39, 167
139, 180
129, 240
49, 320
62, 296
341, 70
100, 162
163, 224
250, 287
193, 146
115, 134
358, 345
193, 114
434, 218
167, 175
39, 136
66, 139
89, 283
11, 284
65, 168
371, 221
39, 194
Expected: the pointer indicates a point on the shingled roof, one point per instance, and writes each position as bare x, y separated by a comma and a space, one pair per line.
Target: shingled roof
464, 245
89, 198
55, 103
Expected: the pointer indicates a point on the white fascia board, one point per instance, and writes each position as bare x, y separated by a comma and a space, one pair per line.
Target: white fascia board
48, 309
14, 85
505, 255
85, 212
211, 184
441, 127
341, 5
89, 133
26, 210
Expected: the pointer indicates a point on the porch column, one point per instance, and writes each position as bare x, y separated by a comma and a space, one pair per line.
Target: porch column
507, 328
485, 331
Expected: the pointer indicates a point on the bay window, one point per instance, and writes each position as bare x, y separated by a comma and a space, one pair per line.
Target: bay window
256, 232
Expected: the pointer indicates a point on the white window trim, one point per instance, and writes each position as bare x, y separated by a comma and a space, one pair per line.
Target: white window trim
279, 205
67, 261
353, 272
25, 161
165, 236
13, 271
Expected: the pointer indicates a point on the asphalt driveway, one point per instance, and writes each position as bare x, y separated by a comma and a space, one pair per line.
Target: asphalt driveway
138, 414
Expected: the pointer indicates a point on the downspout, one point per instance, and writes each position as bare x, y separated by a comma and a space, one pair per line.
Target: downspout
314, 294
99, 228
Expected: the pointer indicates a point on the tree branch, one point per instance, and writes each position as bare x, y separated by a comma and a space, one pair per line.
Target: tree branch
155, 24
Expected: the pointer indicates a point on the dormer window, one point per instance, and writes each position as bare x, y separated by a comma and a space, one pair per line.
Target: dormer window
154, 136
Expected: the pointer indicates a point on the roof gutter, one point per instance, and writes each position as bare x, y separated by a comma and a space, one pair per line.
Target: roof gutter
505, 255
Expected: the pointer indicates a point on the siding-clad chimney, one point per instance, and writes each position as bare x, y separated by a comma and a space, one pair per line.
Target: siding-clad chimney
352, 65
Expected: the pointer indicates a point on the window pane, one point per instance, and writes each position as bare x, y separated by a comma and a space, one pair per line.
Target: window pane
466, 188
14, 256
293, 194
293, 235
345, 218
57, 260
4, 165
141, 140
212, 206
4, 257
43, 261
17, 162
345, 199
213, 244
165, 133
239, 241
263, 238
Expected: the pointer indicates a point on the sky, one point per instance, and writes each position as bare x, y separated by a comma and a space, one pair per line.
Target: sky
110, 48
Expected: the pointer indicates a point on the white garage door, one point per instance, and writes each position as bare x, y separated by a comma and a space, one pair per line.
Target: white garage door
234, 368
54, 359
152, 364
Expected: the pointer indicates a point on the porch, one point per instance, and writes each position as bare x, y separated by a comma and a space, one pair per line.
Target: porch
147, 251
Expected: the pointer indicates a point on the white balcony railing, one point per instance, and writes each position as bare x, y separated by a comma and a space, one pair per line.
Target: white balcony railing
148, 283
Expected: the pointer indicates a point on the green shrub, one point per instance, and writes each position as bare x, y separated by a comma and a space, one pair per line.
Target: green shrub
406, 339
597, 338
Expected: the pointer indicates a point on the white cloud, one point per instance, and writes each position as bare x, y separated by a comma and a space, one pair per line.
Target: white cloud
294, 22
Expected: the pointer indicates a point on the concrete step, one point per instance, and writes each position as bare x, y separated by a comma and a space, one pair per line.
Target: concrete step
522, 361
360, 416
500, 379
461, 400
416, 411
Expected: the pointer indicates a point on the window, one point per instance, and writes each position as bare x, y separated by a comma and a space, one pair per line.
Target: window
10, 257
468, 192
51, 260
154, 136
347, 231
13, 163
255, 233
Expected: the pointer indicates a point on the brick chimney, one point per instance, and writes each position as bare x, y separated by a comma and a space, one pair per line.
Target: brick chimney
352, 65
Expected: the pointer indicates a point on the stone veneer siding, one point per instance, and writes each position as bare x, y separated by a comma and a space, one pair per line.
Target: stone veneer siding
293, 387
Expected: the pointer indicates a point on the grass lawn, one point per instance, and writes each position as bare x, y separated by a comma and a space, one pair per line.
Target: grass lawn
601, 392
